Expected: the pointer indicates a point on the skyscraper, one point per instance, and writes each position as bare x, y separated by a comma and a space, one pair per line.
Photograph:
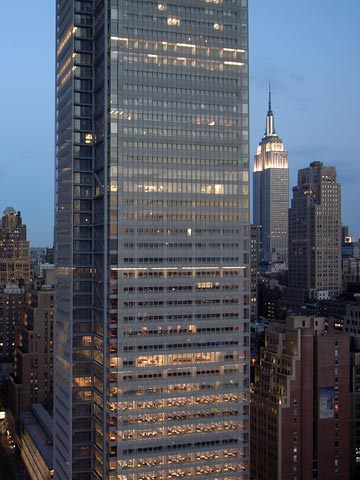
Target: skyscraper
152, 240
315, 234
271, 193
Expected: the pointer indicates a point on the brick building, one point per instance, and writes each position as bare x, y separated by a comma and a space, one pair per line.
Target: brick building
32, 381
300, 402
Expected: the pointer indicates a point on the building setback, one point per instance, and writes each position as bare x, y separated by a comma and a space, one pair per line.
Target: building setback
300, 402
271, 193
151, 374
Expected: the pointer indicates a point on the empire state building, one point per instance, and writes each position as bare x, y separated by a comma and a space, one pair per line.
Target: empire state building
271, 193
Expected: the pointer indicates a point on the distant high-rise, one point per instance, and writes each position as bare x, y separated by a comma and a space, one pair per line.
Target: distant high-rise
151, 374
271, 193
32, 380
14, 248
14, 273
315, 234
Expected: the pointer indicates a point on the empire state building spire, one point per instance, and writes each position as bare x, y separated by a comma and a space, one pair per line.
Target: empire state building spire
271, 193
270, 124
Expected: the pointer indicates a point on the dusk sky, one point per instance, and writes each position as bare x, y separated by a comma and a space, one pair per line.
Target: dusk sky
308, 50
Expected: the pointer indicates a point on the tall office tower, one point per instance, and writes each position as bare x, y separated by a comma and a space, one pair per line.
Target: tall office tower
300, 402
152, 240
14, 248
315, 234
271, 193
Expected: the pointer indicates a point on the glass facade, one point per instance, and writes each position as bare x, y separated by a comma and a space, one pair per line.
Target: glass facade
152, 240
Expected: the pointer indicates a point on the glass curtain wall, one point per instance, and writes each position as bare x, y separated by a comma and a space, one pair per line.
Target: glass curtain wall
152, 240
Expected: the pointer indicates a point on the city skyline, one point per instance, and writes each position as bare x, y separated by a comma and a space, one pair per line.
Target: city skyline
162, 347
314, 84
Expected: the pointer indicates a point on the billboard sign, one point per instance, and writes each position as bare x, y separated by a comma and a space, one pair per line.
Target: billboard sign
326, 402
